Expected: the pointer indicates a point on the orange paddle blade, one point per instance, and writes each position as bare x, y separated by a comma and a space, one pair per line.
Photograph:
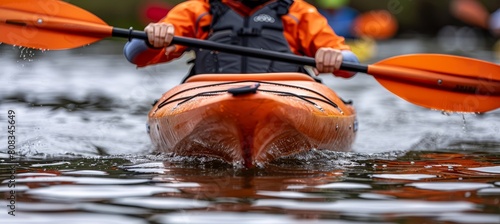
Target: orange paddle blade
441, 82
49, 24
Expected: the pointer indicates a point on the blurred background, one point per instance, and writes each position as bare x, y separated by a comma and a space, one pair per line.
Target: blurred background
421, 16
460, 26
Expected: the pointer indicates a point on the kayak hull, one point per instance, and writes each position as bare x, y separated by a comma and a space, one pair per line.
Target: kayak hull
251, 127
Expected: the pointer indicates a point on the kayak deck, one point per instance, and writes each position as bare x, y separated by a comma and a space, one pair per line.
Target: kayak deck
251, 119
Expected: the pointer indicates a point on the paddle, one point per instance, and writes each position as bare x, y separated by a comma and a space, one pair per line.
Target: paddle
441, 82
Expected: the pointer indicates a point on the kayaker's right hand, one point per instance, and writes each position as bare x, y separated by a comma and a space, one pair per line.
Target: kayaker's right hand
160, 35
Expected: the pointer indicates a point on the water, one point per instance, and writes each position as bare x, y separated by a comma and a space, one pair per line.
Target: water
83, 155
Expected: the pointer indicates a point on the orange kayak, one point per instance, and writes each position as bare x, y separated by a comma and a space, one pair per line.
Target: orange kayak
251, 119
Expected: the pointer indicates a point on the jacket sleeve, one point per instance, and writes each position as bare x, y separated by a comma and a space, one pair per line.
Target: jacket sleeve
184, 17
313, 30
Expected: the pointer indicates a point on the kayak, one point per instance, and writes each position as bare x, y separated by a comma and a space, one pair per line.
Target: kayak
254, 119
251, 119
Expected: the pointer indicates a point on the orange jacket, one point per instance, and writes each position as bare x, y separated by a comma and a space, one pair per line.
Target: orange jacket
304, 28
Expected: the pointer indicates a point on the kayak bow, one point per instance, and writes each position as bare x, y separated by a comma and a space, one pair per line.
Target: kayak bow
251, 119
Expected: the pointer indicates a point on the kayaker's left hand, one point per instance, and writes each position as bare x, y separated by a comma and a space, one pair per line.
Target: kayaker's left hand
328, 60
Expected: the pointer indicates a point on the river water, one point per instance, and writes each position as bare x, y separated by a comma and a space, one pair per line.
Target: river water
82, 154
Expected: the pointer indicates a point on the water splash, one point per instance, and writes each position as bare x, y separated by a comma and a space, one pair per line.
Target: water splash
446, 113
26, 54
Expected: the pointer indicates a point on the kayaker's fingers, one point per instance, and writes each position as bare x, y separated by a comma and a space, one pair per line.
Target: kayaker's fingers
316, 72
328, 60
169, 36
338, 61
154, 35
149, 30
160, 35
170, 49
319, 57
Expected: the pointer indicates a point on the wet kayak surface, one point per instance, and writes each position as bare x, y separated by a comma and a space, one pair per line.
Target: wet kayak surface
82, 154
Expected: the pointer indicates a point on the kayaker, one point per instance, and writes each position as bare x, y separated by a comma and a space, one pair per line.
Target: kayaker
278, 25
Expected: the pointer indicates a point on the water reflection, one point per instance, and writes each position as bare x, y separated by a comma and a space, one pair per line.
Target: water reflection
414, 186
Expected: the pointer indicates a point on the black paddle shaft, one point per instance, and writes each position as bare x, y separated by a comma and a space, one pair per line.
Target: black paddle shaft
240, 50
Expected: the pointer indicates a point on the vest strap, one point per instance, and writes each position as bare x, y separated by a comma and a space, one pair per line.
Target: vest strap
217, 8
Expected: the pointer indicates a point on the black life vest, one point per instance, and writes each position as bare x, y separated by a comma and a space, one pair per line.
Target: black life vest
263, 30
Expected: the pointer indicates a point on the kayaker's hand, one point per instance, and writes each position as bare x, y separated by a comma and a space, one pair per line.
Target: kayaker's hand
345, 55
328, 60
160, 35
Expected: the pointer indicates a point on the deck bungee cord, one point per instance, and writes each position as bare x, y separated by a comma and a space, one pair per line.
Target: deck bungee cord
185, 99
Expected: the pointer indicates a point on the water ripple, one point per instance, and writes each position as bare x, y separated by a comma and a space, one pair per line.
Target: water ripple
91, 192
